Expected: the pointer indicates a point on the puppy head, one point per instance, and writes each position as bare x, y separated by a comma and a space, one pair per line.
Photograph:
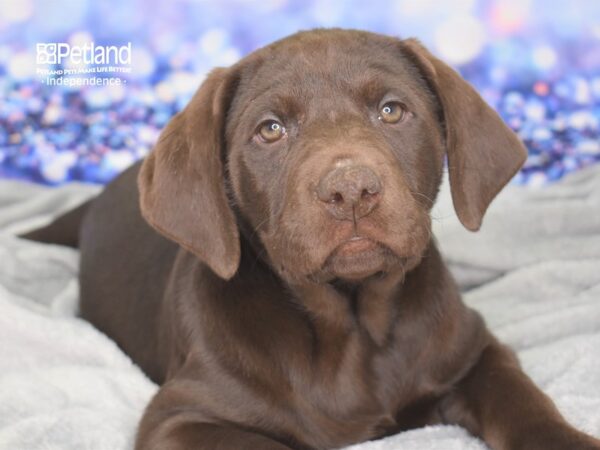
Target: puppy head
334, 144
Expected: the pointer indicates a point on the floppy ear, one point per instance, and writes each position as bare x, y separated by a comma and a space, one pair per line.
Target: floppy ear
483, 153
181, 182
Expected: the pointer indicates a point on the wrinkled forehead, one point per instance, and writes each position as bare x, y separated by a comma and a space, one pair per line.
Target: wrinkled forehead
295, 74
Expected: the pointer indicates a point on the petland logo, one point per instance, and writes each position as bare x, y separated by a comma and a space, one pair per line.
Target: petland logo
60, 53
82, 65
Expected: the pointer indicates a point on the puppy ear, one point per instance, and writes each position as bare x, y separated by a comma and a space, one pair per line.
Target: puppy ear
483, 153
181, 182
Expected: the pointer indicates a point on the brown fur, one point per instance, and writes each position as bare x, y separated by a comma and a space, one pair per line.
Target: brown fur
265, 325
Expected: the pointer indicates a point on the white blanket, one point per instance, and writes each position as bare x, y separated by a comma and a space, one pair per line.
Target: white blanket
533, 271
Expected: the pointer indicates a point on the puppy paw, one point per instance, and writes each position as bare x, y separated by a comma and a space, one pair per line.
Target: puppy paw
556, 439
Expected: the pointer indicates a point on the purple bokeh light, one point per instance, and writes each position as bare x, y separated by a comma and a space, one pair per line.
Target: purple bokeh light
536, 62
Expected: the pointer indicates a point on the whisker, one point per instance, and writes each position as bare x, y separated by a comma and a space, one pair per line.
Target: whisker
429, 199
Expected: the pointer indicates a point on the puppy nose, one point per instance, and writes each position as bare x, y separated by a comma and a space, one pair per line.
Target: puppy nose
350, 192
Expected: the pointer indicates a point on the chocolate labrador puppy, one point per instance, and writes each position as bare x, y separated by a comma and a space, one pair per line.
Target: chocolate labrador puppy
273, 267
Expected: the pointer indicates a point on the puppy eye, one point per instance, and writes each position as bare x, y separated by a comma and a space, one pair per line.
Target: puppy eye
392, 112
271, 131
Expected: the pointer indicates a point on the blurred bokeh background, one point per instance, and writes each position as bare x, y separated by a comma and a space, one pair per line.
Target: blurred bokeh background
537, 62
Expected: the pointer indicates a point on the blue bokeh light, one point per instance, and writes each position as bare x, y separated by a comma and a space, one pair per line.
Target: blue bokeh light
537, 62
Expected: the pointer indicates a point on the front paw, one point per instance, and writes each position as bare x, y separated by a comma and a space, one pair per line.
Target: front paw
555, 438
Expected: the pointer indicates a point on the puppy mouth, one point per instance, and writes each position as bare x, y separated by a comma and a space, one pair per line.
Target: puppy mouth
359, 257
355, 246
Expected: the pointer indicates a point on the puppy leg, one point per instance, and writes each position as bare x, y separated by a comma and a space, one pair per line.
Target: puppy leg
498, 402
204, 436
181, 425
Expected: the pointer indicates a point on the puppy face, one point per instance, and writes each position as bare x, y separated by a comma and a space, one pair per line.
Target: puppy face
336, 160
332, 144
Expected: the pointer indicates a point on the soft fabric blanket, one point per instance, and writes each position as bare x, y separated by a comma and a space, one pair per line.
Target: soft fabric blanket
533, 271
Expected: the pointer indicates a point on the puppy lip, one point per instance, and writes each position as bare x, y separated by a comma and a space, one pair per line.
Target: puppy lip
355, 245
357, 257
